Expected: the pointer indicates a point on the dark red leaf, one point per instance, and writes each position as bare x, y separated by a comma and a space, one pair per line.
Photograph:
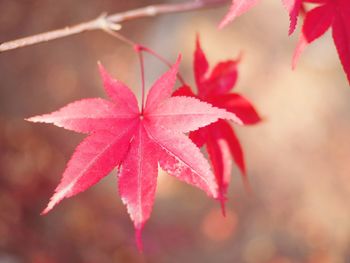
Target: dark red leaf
219, 138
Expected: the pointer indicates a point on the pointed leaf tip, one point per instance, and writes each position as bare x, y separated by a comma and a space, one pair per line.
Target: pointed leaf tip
175, 67
237, 8
55, 199
46, 210
198, 41
118, 92
103, 72
138, 239
101, 69
162, 88
34, 119
179, 58
222, 201
200, 66
247, 187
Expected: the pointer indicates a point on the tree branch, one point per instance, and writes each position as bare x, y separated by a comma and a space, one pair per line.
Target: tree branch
111, 22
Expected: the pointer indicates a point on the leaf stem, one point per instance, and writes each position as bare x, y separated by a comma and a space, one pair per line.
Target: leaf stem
122, 38
140, 55
164, 60
141, 48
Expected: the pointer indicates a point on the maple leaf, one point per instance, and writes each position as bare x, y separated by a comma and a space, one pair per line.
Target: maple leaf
121, 135
239, 7
328, 14
219, 138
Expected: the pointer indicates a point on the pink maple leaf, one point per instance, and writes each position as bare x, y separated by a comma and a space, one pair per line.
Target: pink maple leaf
135, 141
239, 7
219, 138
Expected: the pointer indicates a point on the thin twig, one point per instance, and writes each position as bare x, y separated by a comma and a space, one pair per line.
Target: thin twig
111, 22
140, 48
121, 37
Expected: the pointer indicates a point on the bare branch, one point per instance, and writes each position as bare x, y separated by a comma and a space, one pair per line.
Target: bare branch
111, 22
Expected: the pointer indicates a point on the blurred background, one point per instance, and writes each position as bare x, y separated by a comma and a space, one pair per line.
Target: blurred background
298, 159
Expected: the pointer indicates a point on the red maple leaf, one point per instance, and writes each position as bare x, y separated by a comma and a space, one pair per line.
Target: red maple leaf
333, 14
121, 135
328, 14
219, 138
